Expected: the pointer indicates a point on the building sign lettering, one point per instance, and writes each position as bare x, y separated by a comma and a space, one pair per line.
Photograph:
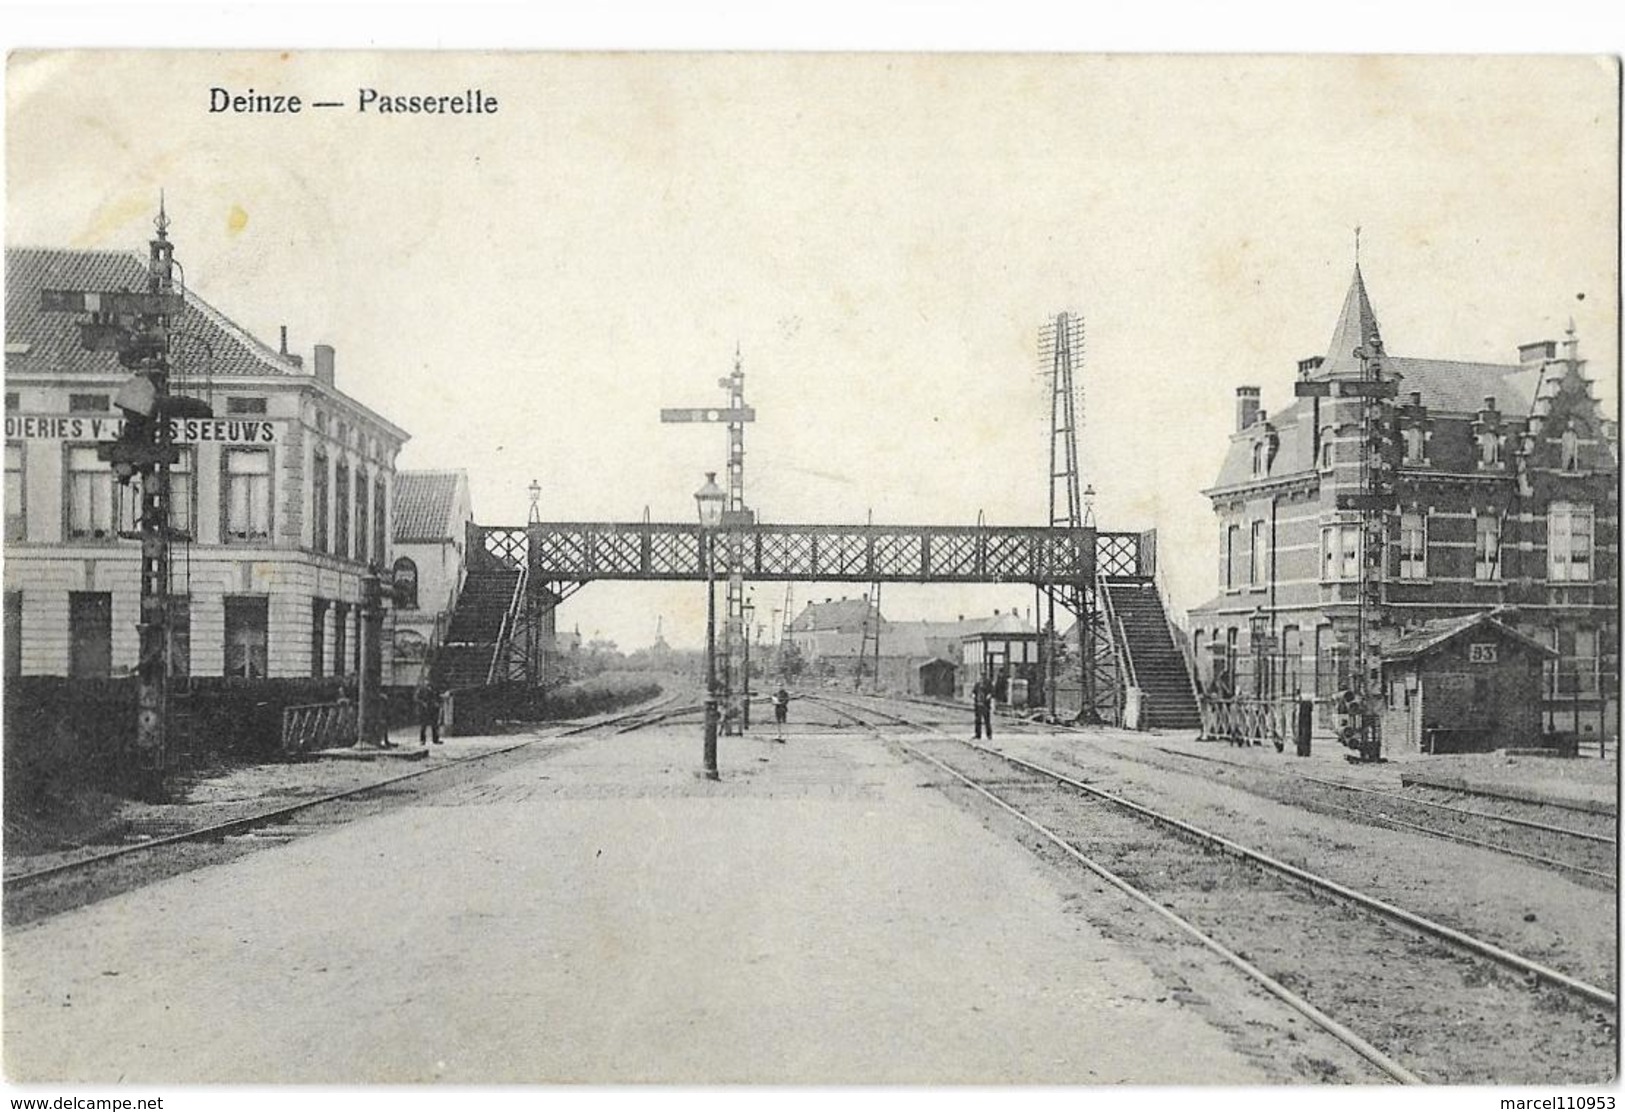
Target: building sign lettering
190, 430
1484, 653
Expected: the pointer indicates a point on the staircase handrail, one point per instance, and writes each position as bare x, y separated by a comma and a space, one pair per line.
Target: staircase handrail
1178, 630
1114, 626
509, 621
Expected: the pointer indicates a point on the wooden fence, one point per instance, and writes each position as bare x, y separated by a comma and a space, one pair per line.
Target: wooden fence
318, 726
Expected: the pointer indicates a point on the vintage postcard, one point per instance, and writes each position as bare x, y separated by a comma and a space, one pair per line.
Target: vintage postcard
803, 569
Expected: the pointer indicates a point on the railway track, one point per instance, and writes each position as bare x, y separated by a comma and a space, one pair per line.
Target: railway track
1419, 1000
1581, 844
40, 893
1591, 853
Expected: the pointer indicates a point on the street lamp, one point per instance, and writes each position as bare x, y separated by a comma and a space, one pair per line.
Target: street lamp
1257, 630
709, 499
747, 611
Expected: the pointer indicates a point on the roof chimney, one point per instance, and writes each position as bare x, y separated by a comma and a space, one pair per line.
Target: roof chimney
1246, 406
284, 349
1537, 352
324, 364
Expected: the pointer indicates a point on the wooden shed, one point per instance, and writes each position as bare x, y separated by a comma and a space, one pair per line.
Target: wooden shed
936, 677
1461, 685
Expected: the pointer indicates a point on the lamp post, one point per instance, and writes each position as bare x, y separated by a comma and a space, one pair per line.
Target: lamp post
709, 499
747, 611
1257, 631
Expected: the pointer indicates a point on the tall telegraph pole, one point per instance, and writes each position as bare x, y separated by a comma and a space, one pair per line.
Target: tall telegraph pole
1059, 345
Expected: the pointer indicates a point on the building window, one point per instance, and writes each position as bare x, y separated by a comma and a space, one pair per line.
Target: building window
318, 636
1340, 552
13, 401
14, 633
1568, 542
341, 510
362, 533
1489, 448
1570, 449
1260, 555
246, 628
1415, 444
247, 494
180, 636
16, 493
89, 403
90, 634
380, 551
245, 405
1413, 546
1232, 544
1487, 558
405, 581
318, 501
90, 494
1258, 457
341, 625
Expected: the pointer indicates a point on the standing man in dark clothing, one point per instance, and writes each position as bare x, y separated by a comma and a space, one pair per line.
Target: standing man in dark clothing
781, 705
982, 700
428, 700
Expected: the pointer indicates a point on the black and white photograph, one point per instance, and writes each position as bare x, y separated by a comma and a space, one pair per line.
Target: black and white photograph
895, 568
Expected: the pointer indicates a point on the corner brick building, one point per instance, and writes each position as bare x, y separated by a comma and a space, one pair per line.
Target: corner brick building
1505, 482
282, 501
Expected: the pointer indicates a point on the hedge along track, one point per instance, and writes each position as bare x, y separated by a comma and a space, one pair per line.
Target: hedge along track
1397, 976
29, 896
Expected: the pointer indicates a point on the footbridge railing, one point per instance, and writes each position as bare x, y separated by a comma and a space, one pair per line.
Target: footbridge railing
584, 551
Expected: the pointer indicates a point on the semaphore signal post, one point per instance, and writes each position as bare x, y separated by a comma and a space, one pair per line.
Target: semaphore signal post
136, 325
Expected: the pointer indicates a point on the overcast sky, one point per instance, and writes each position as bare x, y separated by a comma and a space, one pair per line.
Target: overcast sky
881, 236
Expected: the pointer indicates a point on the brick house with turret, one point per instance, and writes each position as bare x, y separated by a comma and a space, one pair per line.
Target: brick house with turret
1499, 494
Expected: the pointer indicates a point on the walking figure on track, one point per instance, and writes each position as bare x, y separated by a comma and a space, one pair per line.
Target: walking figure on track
428, 700
982, 701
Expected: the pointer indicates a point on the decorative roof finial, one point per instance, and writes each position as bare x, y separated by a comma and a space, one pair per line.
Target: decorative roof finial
162, 221
1356, 245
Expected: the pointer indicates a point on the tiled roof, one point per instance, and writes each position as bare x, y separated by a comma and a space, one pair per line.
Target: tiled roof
1356, 328
837, 614
1423, 639
48, 343
424, 504
1451, 387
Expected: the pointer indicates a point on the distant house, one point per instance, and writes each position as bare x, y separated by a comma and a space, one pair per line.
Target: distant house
431, 513
830, 636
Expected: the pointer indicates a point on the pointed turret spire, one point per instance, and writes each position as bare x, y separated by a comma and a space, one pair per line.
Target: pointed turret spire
1356, 328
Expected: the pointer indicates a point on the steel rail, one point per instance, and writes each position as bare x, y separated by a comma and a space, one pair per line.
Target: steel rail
275, 815
1586, 835
1337, 1030
1465, 941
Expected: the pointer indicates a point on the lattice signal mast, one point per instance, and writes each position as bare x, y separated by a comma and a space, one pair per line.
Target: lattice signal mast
1060, 348
137, 326
735, 513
